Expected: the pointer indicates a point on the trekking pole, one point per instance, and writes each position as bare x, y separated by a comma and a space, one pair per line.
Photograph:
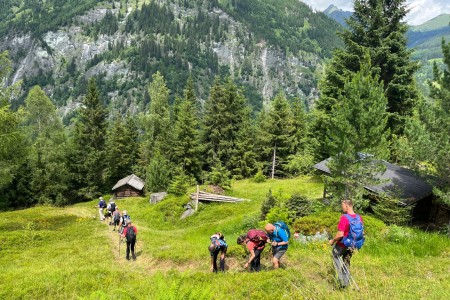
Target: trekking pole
120, 240
346, 270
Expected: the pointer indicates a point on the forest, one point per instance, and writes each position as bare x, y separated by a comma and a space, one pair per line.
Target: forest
368, 103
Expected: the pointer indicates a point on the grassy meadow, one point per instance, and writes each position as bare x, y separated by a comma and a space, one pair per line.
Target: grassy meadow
67, 253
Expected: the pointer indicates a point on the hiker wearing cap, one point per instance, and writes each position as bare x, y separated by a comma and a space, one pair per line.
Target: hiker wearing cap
129, 233
278, 234
255, 242
349, 236
101, 206
124, 219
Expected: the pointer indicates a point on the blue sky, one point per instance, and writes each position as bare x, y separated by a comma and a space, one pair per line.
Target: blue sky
421, 10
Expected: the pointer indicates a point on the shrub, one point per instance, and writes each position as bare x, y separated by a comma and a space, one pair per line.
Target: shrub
259, 177
300, 164
392, 212
158, 174
277, 213
267, 205
180, 184
298, 206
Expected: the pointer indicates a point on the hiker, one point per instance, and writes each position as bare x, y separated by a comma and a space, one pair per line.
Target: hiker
129, 233
255, 242
279, 235
350, 235
116, 218
101, 206
110, 209
217, 245
124, 219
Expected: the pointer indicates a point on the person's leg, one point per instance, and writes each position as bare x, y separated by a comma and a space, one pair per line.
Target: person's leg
100, 212
338, 261
133, 243
277, 254
256, 262
222, 259
128, 250
215, 254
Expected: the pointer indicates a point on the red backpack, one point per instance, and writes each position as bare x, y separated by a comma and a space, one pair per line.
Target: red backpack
257, 236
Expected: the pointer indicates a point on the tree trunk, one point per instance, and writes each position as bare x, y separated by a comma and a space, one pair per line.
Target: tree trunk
273, 161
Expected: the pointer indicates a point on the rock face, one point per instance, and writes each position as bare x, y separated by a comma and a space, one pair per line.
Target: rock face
268, 69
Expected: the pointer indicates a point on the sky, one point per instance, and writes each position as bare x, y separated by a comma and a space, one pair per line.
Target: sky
421, 10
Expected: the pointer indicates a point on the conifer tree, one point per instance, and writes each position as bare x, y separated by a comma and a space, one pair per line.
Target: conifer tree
357, 138
12, 142
377, 27
87, 162
121, 149
49, 173
276, 135
187, 147
155, 123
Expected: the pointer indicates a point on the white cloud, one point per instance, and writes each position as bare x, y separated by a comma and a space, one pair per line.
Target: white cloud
421, 10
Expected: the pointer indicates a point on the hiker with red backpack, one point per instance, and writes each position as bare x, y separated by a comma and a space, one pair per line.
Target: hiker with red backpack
218, 245
255, 242
129, 233
350, 236
279, 235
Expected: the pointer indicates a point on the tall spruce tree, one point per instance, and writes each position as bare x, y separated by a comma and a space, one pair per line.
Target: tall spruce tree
49, 173
87, 162
155, 124
376, 26
357, 138
121, 149
225, 111
187, 147
276, 136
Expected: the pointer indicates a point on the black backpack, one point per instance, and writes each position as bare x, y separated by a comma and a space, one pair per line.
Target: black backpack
131, 234
112, 207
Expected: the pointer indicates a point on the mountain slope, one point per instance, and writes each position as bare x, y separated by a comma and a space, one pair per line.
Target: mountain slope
66, 253
337, 14
58, 45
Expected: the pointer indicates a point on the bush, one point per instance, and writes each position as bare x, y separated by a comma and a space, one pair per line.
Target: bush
298, 206
259, 177
328, 221
277, 213
300, 164
392, 212
180, 184
267, 205
158, 174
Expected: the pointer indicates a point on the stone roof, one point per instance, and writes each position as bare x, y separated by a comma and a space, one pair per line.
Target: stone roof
132, 181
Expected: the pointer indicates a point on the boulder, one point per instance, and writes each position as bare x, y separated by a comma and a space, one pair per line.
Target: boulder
156, 197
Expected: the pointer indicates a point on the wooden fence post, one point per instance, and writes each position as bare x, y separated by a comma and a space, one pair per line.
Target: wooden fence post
196, 200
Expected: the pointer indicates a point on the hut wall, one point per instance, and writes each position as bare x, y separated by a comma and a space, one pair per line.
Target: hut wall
126, 191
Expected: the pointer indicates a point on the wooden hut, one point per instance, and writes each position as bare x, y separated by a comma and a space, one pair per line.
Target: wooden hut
398, 182
130, 186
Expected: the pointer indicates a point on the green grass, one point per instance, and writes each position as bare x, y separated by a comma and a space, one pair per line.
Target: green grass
66, 253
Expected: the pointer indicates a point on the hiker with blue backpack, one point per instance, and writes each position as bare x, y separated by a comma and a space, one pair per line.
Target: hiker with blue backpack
279, 235
101, 206
218, 245
350, 236
124, 219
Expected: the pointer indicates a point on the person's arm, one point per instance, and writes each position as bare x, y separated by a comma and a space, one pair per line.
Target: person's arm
337, 237
124, 233
283, 236
252, 256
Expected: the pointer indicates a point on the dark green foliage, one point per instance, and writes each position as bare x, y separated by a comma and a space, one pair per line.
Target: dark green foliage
392, 211
158, 174
87, 160
382, 36
276, 136
259, 177
218, 175
357, 136
298, 206
121, 149
180, 183
267, 205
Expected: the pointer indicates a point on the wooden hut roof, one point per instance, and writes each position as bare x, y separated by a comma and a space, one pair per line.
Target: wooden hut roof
131, 180
395, 180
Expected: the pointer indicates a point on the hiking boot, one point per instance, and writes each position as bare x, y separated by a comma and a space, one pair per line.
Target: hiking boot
128, 258
134, 256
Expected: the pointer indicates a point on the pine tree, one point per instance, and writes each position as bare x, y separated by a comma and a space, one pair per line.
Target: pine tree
276, 135
375, 27
357, 138
12, 142
155, 124
187, 147
121, 149
87, 162
49, 173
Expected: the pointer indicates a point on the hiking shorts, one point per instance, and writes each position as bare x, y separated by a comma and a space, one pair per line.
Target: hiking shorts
278, 253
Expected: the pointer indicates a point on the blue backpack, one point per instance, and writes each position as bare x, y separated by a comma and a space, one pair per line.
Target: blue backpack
282, 225
355, 237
